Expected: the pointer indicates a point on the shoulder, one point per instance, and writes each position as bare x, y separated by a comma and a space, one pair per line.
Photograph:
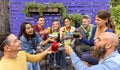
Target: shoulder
73, 27
94, 28
22, 53
109, 30
62, 28
113, 59
36, 34
22, 38
92, 25
35, 26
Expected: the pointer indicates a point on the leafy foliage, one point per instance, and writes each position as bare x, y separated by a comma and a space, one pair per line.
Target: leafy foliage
42, 8
115, 11
62, 8
112, 1
29, 5
75, 19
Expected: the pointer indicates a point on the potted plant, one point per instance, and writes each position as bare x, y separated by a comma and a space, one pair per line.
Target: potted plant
53, 7
40, 8
30, 7
58, 7
75, 19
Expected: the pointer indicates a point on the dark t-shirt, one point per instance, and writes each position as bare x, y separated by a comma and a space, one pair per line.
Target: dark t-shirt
37, 29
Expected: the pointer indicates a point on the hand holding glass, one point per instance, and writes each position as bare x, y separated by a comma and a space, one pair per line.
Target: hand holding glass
76, 35
54, 46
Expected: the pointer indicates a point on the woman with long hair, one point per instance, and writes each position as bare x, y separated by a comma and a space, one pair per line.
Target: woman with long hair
104, 23
29, 42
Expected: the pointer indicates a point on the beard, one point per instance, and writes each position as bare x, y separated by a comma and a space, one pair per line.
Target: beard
99, 52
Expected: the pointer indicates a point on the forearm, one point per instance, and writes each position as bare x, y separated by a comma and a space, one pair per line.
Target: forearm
36, 57
45, 42
43, 54
78, 64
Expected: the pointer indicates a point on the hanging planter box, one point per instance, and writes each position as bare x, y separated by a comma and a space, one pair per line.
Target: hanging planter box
49, 9
52, 9
34, 9
56, 9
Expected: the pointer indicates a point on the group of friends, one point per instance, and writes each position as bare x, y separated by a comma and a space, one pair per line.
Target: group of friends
94, 49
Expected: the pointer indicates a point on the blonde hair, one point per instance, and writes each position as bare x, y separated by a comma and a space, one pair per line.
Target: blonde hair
58, 22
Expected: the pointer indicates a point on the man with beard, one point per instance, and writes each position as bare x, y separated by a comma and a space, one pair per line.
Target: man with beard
104, 49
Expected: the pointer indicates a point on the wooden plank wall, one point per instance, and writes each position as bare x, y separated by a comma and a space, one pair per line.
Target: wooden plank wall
73, 7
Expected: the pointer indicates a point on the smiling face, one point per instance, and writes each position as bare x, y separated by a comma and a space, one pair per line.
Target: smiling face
14, 44
85, 22
56, 25
41, 22
29, 29
100, 22
67, 22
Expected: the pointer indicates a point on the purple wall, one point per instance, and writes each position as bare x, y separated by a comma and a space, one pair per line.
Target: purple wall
73, 7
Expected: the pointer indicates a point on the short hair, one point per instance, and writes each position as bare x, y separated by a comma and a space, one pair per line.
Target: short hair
86, 17
39, 17
3, 41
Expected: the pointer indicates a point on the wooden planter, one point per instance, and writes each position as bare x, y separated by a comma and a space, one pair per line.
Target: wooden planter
52, 9
49, 9
55, 9
34, 9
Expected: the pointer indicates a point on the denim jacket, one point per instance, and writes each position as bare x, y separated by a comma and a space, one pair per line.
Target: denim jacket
112, 62
31, 45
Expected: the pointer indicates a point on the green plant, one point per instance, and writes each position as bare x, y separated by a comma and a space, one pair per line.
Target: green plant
115, 11
29, 5
112, 1
33, 5
118, 29
42, 8
61, 7
75, 19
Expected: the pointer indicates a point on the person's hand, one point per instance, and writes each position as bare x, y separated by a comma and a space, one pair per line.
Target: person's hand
68, 49
63, 36
80, 37
49, 50
51, 39
45, 31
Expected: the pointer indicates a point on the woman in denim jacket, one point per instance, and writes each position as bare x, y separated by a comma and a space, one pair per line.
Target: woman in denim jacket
29, 42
